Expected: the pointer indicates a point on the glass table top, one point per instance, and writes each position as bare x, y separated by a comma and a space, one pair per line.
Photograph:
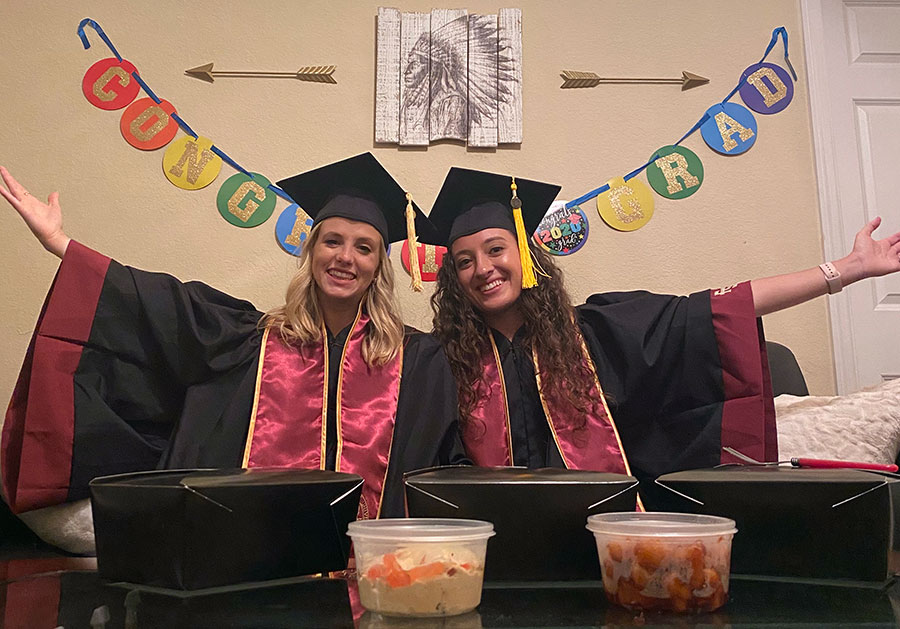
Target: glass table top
49, 591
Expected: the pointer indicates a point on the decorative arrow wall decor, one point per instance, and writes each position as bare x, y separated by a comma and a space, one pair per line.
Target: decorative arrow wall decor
572, 79
313, 74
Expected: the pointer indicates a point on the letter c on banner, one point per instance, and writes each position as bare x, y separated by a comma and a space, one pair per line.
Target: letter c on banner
147, 125
108, 84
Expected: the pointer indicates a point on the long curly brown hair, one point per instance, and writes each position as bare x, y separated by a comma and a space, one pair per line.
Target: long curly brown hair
550, 328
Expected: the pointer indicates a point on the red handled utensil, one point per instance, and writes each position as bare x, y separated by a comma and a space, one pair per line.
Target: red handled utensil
817, 463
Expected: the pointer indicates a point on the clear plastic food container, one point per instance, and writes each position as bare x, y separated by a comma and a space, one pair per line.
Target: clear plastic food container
420, 566
664, 561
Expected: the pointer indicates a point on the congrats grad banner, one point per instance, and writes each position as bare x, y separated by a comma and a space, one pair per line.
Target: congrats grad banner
248, 199
191, 161
676, 172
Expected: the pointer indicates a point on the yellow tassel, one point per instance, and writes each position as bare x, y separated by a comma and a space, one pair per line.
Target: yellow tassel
529, 280
413, 246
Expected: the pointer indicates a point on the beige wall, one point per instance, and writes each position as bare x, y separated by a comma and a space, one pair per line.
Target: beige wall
755, 215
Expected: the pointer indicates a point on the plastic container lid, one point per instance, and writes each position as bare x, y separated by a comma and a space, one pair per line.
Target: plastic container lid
659, 524
420, 529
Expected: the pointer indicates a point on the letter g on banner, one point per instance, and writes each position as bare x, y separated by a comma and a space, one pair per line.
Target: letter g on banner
245, 201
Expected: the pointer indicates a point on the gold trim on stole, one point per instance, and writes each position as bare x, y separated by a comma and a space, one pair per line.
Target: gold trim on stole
587, 357
590, 363
252, 427
387, 467
323, 442
509, 443
340, 383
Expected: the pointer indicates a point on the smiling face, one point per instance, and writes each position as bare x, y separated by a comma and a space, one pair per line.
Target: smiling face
490, 272
345, 259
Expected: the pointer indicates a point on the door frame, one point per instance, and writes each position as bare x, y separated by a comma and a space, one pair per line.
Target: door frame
830, 209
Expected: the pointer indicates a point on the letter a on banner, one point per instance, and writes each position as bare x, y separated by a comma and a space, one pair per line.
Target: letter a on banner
730, 129
189, 163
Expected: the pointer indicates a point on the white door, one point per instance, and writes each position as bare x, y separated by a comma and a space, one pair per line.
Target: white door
853, 63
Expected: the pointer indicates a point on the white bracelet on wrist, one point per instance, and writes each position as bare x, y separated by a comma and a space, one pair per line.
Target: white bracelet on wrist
832, 278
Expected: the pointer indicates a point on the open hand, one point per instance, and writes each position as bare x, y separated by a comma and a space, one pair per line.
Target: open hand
44, 219
875, 257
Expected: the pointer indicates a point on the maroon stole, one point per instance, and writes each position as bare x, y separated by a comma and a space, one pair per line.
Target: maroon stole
595, 447
288, 423
748, 410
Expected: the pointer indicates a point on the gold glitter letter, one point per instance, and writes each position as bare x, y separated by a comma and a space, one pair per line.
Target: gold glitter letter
636, 212
256, 193
430, 263
105, 79
770, 97
680, 169
161, 121
195, 166
300, 227
728, 126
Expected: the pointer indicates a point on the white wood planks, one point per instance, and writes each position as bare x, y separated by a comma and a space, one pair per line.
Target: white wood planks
449, 75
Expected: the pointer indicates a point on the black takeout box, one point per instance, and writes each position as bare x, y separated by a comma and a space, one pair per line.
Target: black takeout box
539, 516
195, 529
800, 523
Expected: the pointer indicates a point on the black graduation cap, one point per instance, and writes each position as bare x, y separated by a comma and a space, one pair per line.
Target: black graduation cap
473, 200
360, 189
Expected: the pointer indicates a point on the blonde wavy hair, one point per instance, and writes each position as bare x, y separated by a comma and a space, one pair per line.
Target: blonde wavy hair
299, 320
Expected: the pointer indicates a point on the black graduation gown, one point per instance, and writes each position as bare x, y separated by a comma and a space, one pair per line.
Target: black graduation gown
661, 363
161, 374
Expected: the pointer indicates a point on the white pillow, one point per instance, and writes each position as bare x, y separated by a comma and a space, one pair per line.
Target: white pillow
69, 526
861, 426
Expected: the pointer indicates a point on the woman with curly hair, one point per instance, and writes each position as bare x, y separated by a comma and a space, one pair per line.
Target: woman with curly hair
130, 370
628, 382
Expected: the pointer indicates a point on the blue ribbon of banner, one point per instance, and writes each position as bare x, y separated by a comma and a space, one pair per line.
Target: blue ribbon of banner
181, 123
778, 32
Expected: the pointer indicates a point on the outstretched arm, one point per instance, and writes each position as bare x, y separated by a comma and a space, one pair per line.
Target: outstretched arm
44, 219
869, 258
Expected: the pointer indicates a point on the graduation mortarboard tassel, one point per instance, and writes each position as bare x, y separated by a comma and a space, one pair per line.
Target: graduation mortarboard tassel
361, 189
471, 201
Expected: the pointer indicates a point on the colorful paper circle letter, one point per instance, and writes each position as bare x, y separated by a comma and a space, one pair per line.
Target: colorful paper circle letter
189, 163
730, 130
562, 232
768, 88
147, 125
626, 206
246, 201
292, 229
108, 84
431, 257
676, 172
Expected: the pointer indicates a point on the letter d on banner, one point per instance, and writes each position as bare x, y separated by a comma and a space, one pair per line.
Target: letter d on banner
767, 88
